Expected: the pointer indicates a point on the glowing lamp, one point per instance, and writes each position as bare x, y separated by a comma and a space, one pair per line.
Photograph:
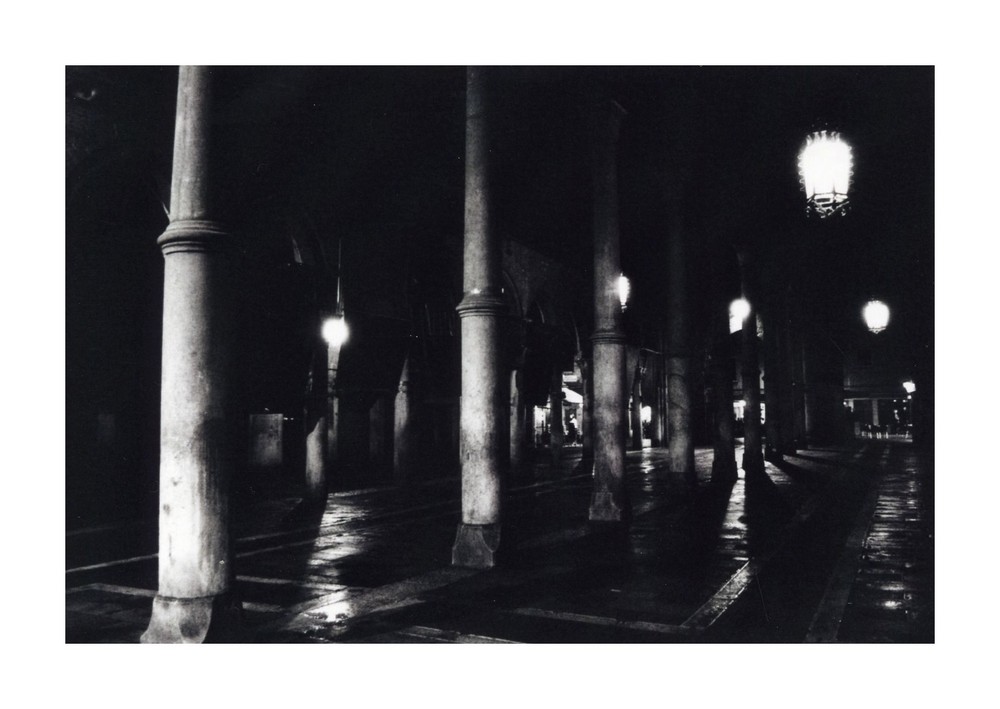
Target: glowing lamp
825, 168
624, 288
739, 309
910, 387
876, 315
335, 330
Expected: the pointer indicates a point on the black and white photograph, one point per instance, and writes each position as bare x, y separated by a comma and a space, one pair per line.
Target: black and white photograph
500, 354
558, 354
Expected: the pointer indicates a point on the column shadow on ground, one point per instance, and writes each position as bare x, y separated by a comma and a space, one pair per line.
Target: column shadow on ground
767, 513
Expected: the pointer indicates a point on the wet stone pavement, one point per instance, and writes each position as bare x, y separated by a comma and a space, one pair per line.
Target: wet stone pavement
833, 545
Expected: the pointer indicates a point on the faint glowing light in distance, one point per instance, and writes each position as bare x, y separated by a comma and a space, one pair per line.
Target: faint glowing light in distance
739, 309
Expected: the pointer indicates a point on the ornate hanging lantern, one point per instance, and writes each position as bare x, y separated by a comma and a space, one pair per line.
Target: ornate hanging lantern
876, 314
825, 168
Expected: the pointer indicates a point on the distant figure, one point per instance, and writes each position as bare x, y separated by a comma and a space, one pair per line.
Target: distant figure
571, 429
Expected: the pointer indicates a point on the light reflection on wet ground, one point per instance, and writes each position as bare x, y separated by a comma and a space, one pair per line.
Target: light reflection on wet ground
374, 565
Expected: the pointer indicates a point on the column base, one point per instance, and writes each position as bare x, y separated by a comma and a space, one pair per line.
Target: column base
195, 620
476, 546
604, 507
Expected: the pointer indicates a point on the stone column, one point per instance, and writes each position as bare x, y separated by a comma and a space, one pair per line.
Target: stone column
773, 389
403, 433
586, 408
658, 417
635, 410
608, 501
802, 404
195, 601
482, 405
786, 356
720, 372
679, 400
557, 429
518, 442
333, 405
379, 421
753, 455
316, 430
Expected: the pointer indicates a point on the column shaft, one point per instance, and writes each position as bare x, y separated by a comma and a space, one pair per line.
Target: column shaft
557, 431
787, 364
332, 414
315, 457
679, 401
316, 428
636, 408
753, 455
517, 422
404, 439
586, 409
721, 371
610, 403
773, 389
655, 415
482, 405
194, 600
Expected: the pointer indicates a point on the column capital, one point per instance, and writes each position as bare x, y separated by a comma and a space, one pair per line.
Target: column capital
199, 235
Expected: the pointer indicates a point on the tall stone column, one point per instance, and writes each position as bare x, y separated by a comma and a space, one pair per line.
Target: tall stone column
608, 501
679, 351
720, 372
586, 409
404, 433
753, 455
316, 431
658, 416
773, 390
381, 423
786, 355
557, 430
635, 410
518, 442
198, 431
802, 405
482, 406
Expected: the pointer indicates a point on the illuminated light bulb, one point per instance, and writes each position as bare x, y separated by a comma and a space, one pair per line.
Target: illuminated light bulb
739, 309
624, 289
335, 331
876, 314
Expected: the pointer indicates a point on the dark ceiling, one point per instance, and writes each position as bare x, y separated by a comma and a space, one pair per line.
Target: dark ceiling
371, 159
